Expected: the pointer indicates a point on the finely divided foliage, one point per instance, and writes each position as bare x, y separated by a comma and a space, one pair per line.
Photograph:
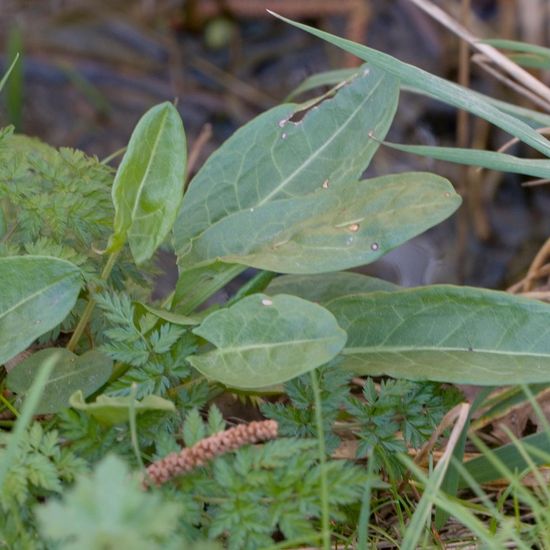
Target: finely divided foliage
283, 194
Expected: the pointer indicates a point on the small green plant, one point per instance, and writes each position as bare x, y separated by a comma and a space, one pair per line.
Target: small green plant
284, 195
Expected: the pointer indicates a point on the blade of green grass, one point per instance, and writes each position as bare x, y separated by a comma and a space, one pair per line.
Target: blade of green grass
8, 72
423, 510
434, 86
25, 418
539, 168
452, 477
532, 117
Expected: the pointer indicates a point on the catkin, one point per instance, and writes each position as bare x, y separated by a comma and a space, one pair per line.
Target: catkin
187, 459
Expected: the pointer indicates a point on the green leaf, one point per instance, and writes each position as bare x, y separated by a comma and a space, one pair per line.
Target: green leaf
7, 73
539, 168
288, 152
193, 429
109, 509
328, 229
196, 285
148, 186
483, 469
516, 46
325, 78
533, 118
115, 410
324, 287
530, 55
37, 293
434, 86
18, 433
261, 341
174, 318
71, 372
446, 333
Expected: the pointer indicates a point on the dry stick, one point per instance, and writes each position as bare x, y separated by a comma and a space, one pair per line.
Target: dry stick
445, 423
462, 138
481, 61
537, 263
202, 139
480, 220
234, 85
79, 330
513, 141
516, 288
498, 58
535, 183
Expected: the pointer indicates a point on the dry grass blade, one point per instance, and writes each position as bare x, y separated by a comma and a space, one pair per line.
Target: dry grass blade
445, 423
514, 70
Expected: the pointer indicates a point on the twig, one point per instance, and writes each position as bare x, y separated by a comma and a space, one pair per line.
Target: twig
481, 61
202, 139
537, 263
520, 74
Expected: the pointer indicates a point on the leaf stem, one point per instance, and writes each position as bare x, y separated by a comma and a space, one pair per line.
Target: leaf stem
79, 330
9, 406
133, 426
325, 515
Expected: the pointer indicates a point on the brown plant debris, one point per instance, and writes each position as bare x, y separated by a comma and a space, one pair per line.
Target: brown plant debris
187, 459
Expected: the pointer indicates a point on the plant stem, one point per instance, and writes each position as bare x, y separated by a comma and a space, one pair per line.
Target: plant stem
364, 514
133, 427
79, 330
9, 406
325, 516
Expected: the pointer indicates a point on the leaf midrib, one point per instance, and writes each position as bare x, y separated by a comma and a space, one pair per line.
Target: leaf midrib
314, 156
395, 350
252, 347
42, 290
149, 165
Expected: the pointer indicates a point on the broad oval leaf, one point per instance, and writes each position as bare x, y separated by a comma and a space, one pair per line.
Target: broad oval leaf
322, 288
71, 372
276, 158
446, 333
148, 185
115, 410
261, 341
37, 293
329, 229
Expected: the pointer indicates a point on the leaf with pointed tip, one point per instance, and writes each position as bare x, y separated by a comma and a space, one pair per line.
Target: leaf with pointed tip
4, 79
329, 229
323, 288
115, 410
326, 78
538, 168
71, 372
276, 158
445, 333
37, 293
261, 341
148, 185
433, 86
